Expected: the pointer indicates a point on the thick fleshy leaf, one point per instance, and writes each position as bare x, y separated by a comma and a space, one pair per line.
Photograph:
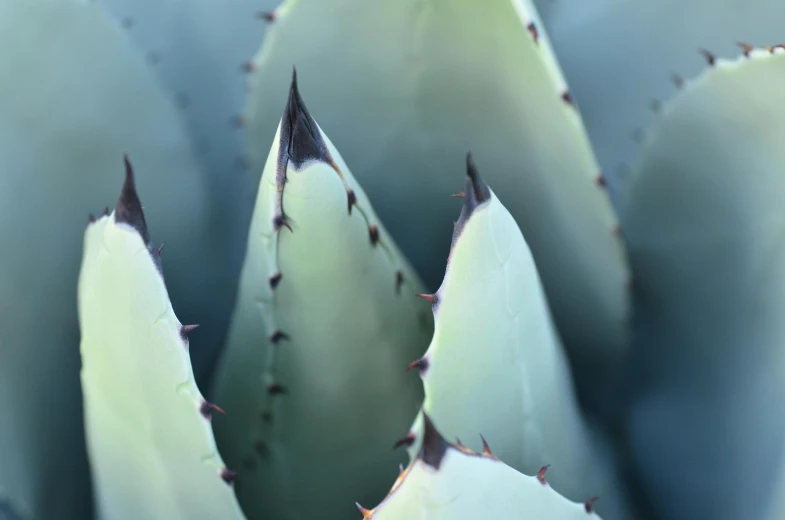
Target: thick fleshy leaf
620, 58
74, 98
149, 437
313, 378
199, 50
450, 482
704, 223
430, 81
496, 367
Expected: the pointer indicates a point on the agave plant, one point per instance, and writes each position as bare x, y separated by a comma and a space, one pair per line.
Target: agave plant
634, 358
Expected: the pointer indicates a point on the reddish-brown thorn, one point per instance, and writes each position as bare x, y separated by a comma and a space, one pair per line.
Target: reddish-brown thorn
677, 80
459, 195
567, 97
159, 249
185, 330
248, 66
373, 234
275, 280
630, 283
279, 221
237, 121
710, 59
367, 513
541, 474
398, 281
533, 31
90, 220
617, 230
746, 47
277, 336
276, 389
486, 450
268, 16
407, 440
589, 504
208, 408
352, 200
106, 211
655, 105
420, 364
459, 443
228, 475
428, 297
600, 180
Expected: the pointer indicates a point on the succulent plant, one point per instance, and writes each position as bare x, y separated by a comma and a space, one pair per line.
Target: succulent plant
431, 83
324, 290
704, 224
495, 342
531, 349
147, 425
448, 480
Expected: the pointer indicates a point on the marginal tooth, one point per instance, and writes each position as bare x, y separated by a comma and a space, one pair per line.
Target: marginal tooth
228, 475
407, 440
567, 98
541, 474
90, 218
237, 121
185, 329
276, 389
589, 504
280, 221
677, 80
207, 409
533, 31
429, 298
746, 47
267, 16
655, 105
600, 180
367, 513
352, 199
486, 450
373, 233
159, 249
398, 281
710, 58
275, 279
278, 336
249, 66
106, 212
420, 364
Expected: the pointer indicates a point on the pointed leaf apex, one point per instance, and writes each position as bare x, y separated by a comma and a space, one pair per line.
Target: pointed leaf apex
434, 446
476, 188
129, 207
589, 504
300, 140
